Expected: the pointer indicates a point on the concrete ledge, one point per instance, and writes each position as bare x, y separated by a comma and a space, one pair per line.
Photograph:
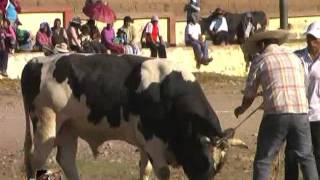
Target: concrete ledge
228, 60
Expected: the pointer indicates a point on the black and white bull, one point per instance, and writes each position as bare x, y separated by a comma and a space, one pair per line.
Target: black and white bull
100, 97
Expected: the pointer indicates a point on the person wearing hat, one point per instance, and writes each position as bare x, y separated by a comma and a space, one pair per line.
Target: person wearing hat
281, 75
193, 9
73, 34
310, 57
218, 28
131, 37
153, 39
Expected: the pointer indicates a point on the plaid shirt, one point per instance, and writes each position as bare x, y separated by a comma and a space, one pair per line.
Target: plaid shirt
281, 76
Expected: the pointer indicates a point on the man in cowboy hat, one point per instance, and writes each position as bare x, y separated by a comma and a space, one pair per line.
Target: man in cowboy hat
310, 57
281, 76
218, 28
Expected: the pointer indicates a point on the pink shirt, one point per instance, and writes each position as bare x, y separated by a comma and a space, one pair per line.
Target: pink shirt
43, 38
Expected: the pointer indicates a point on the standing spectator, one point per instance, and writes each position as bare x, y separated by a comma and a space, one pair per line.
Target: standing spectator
131, 38
4, 50
107, 38
43, 37
73, 34
193, 39
310, 57
193, 10
218, 28
281, 76
12, 9
11, 38
153, 40
59, 34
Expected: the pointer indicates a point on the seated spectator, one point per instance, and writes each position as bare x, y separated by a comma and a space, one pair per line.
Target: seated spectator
24, 39
90, 45
218, 28
10, 34
73, 34
93, 29
153, 40
194, 39
107, 38
43, 38
59, 34
129, 30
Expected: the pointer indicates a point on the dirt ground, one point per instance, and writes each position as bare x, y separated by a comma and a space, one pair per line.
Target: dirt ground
120, 160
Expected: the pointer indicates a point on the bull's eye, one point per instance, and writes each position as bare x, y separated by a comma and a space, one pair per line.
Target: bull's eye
205, 140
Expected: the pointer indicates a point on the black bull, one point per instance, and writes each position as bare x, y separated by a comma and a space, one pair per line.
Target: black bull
235, 23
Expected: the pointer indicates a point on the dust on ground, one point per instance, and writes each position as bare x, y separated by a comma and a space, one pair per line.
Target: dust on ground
120, 160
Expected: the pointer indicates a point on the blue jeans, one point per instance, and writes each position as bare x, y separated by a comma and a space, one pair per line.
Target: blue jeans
291, 162
200, 49
274, 130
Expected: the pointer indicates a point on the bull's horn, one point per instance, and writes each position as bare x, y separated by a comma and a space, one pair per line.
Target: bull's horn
237, 142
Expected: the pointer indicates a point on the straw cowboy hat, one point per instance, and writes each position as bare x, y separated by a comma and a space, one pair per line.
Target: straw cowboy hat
251, 44
61, 48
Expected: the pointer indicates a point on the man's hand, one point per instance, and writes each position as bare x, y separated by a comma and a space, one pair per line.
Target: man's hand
238, 111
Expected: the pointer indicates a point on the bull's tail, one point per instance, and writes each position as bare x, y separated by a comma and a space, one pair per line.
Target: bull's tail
28, 143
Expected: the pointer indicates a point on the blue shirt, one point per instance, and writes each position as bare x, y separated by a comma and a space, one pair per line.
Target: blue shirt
12, 14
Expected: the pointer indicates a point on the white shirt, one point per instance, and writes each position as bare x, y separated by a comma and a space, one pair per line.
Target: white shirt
194, 30
312, 71
222, 27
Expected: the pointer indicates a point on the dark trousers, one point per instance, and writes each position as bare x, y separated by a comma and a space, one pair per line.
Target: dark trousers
157, 49
4, 55
291, 162
274, 130
200, 49
220, 37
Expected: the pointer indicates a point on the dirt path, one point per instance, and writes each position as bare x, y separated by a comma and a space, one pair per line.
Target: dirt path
119, 160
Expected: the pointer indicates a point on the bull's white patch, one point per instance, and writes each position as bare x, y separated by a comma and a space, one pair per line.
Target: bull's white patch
156, 70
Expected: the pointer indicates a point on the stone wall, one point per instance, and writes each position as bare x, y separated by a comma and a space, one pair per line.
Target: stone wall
176, 7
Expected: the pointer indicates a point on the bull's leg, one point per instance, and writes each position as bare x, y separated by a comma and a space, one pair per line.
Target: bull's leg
67, 150
156, 150
44, 137
145, 166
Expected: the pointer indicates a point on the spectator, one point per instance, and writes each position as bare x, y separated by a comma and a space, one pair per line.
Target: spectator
4, 50
281, 75
59, 34
24, 39
247, 27
90, 45
73, 34
153, 40
43, 37
193, 39
310, 57
193, 10
93, 29
107, 38
12, 9
11, 38
130, 32
218, 28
